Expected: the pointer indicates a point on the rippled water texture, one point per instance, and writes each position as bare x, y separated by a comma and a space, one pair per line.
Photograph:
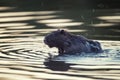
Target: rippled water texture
24, 56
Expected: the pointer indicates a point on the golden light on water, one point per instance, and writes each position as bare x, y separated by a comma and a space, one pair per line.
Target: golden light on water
6, 8
49, 18
28, 13
60, 22
20, 27
13, 14
23, 52
102, 24
55, 21
46, 17
64, 24
12, 19
12, 24
47, 12
115, 18
109, 17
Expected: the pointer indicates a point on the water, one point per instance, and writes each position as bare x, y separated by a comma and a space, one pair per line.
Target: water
108, 57
101, 58
24, 56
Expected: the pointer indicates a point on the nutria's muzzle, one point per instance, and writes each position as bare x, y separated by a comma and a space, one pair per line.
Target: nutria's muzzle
48, 43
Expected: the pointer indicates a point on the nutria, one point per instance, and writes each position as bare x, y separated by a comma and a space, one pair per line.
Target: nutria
68, 43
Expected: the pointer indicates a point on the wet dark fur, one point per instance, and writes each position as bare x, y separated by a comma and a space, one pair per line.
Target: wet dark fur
68, 43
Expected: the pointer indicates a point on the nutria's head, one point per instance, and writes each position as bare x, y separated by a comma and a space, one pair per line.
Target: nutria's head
57, 39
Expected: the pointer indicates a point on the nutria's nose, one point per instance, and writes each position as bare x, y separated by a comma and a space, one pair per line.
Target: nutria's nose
45, 41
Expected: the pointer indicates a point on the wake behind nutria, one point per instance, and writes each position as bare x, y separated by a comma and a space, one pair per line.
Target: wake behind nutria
68, 43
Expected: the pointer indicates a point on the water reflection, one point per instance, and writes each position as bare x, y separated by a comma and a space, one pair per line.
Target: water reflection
84, 61
56, 65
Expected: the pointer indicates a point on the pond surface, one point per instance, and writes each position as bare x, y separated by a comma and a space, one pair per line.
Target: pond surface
24, 56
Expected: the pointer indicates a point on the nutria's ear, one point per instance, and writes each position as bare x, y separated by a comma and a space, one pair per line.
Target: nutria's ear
62, 32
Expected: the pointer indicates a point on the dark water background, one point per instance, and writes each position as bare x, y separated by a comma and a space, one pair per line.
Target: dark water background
24, 23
